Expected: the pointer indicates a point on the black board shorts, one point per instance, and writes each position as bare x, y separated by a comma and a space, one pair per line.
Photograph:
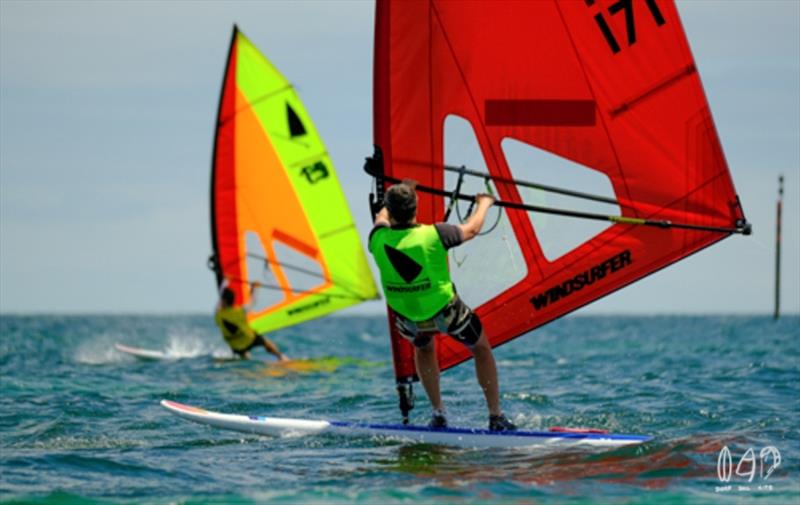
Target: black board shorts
456, 319
258, 341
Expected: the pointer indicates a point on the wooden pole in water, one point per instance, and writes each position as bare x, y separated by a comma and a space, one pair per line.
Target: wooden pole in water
778, 249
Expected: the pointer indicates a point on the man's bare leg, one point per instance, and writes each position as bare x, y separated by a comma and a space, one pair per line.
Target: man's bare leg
428, 370
273, 349
486, 372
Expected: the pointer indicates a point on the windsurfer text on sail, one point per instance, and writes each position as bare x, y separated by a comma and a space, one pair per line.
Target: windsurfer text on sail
583, 279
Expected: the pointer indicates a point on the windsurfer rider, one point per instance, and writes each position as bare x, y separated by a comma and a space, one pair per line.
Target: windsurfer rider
232, 322
412, 260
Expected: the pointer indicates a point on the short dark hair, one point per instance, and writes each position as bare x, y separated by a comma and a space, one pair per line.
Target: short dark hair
401, 202
228, 296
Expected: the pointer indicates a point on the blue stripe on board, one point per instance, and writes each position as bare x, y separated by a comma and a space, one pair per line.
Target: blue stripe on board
481, 431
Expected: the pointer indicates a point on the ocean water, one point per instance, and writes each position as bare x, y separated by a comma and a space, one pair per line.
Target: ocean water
81, 423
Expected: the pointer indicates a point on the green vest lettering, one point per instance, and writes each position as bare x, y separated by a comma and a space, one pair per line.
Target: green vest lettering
414, 271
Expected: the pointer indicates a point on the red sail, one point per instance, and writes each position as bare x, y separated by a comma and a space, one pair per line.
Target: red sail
609, 85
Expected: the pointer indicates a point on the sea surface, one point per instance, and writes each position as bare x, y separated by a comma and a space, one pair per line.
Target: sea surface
81, 422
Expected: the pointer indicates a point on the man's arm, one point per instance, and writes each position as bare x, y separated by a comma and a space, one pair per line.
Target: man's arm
220, 289
252, 302
382, 217
381, 221
474, 223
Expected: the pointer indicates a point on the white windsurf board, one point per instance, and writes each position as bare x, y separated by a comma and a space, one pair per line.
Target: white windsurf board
144, 354
462, 437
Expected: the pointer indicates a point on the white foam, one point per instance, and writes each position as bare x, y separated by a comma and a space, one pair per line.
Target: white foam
98, 351
186, 346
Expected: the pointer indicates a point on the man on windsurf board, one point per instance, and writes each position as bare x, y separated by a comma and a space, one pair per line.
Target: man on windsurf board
232, 322
412, 260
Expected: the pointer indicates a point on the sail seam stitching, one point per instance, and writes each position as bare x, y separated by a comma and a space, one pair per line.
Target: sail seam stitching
661, 86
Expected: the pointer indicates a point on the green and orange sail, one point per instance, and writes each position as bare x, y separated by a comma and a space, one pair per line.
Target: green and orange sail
279, 219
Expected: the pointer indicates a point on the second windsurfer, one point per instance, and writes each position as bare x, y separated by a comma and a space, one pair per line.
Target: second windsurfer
232, 322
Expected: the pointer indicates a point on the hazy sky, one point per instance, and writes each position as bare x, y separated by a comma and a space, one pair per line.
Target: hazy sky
107, 112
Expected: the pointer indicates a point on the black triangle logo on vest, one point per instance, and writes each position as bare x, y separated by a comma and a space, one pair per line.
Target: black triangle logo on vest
232, 328
296, 127
403, 263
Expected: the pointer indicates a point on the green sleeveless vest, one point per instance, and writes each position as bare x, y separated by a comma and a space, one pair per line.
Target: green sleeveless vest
414, 271
232, 322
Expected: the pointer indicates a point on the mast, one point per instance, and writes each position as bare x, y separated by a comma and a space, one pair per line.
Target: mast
778, 248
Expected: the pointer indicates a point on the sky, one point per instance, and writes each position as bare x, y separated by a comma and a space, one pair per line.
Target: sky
107, 114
